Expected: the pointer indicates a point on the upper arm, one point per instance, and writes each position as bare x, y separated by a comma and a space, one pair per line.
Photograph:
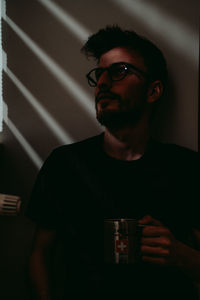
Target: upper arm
44, 239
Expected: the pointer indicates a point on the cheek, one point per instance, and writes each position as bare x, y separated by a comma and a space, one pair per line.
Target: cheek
95, 92
133, 88
134, 92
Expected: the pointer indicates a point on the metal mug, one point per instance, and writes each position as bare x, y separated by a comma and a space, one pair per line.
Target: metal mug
121, 241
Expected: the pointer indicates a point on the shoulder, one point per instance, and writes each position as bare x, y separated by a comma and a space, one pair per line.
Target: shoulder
180, 152
69, 153
176, 155
172, 149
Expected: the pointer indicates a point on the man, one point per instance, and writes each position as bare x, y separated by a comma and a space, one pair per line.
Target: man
121, 173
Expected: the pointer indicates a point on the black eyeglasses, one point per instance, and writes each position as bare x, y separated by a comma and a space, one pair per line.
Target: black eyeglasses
116, 72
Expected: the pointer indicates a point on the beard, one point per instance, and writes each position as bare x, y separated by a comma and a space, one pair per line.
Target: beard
121, 118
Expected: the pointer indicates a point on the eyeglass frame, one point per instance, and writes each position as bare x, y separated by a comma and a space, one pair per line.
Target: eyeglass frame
127, 65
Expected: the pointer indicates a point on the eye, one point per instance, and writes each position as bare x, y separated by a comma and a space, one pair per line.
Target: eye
118, 70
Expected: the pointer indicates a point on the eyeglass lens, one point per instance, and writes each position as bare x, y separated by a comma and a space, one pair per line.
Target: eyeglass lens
115, 71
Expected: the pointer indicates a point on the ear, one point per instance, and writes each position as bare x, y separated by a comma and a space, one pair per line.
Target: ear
155, 91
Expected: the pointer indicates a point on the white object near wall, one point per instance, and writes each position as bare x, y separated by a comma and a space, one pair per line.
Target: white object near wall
9, 205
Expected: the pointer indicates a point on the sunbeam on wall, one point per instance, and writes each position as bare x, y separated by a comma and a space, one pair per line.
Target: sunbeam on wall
46, 102
70, 85
68, 21
78, 93
1, 102
22, 141
176, 34
53, 125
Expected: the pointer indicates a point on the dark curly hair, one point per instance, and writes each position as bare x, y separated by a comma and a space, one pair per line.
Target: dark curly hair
113, 36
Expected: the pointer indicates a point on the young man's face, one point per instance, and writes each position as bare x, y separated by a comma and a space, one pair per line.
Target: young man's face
120, 103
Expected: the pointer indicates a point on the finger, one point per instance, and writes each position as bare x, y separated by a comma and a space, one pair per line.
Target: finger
154, 260
154, 251
145, 220
155, 231
149, 220
156, 241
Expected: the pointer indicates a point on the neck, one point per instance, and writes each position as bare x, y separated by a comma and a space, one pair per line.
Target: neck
128, 143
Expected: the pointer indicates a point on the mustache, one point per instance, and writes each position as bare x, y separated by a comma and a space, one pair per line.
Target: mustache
103, 95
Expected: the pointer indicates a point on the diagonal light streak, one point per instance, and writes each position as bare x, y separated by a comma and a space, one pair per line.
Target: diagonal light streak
1, 101
77, 92
58, 131
181, 38
53, 125
66, 19
22, 141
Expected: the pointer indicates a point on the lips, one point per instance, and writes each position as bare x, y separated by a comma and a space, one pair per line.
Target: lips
104, 96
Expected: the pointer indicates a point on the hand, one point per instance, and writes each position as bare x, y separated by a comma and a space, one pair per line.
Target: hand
158, 245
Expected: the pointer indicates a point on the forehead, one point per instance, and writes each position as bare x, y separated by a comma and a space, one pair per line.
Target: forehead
122, 54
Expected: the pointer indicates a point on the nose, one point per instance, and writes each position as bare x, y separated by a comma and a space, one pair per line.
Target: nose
104, 82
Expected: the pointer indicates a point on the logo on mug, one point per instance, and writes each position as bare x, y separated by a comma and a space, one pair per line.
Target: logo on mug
121, 246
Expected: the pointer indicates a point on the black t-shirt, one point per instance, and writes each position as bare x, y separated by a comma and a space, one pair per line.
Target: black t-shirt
79, 186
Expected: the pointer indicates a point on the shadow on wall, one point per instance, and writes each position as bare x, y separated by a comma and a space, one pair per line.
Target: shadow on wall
45, 89
49, 102
55, 77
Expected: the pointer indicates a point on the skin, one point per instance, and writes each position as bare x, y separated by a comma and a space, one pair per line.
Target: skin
127, 142
40, 263
158, 244
125, 89
129, 94
160, 247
